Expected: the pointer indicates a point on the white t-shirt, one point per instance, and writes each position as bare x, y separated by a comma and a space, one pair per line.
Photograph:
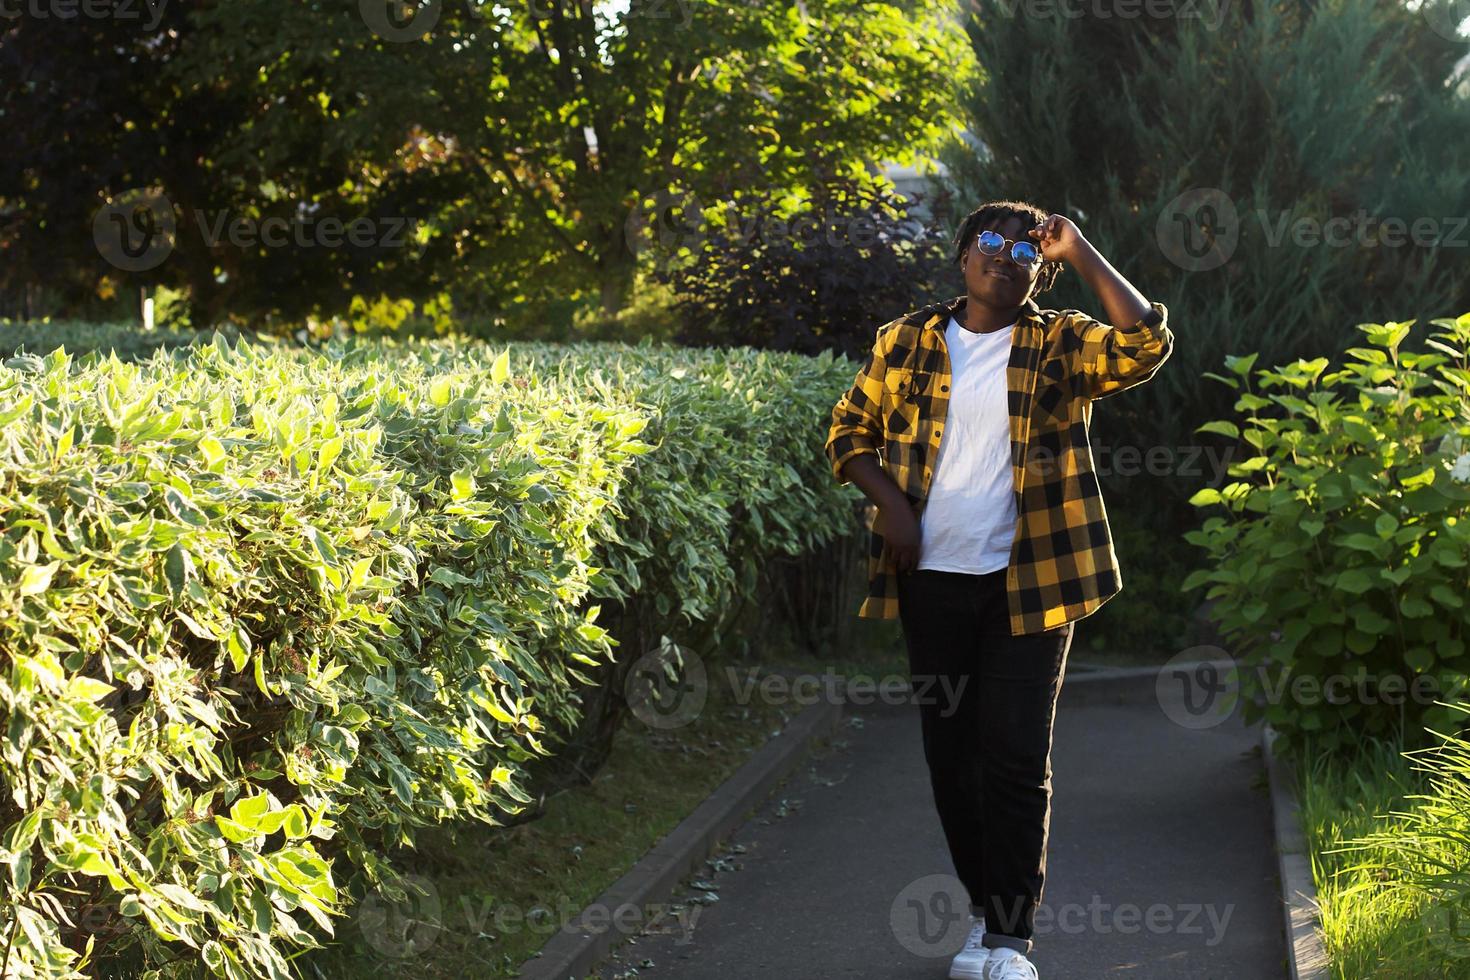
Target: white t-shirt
969, 521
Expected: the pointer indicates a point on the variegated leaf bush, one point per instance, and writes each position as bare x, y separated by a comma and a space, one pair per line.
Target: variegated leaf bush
264, 612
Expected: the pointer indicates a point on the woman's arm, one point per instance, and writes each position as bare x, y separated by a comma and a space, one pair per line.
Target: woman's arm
852, 447
897, 521
1110, 358
1062, 241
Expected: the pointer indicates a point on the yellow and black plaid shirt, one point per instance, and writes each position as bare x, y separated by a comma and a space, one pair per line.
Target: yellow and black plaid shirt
1062, 565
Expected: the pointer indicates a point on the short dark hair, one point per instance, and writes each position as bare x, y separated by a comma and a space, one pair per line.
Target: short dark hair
996, 212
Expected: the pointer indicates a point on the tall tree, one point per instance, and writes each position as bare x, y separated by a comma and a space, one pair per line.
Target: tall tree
1209, 153
523, 140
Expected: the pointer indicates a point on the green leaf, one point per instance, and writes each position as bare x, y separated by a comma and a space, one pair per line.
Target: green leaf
330, 450
212, 450
234, 831
1241, 365
1419, 658
89, 689
248, 811
402, 787
1221, 427
239, 645
35, 579
295, 824
183, 509
500, 370
463, 481
1414, 606
322, 544
178, 569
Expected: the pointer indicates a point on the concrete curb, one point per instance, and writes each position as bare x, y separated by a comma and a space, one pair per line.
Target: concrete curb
579, 945
1306, 956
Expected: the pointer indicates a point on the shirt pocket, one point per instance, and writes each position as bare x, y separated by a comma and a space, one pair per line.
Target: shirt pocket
900, 382
1054, 394
901, 408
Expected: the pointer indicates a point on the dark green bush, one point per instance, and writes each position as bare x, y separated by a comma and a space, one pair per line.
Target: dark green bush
809, 277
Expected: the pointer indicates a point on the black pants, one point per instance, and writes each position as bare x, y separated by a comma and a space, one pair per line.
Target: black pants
987, 701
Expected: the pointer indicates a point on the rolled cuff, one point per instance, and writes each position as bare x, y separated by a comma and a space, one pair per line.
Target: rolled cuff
838, 461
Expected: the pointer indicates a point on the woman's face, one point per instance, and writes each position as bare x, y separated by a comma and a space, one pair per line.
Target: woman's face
995, 279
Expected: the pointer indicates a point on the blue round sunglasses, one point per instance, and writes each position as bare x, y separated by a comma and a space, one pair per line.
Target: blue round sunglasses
1022, 253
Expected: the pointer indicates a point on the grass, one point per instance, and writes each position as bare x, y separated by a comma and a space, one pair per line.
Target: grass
1390, 847
497, 894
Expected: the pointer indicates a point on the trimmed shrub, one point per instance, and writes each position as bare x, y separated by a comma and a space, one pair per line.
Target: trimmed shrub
265, 612
128, 341
1342, 549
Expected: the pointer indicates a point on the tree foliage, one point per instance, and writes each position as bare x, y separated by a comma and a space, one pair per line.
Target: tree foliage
1279, 118
812, 275
520, 141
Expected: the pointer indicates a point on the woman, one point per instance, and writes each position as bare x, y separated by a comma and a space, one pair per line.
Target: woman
990, 539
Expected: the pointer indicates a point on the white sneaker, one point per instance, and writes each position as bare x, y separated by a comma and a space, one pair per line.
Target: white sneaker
971, 962
1009, 964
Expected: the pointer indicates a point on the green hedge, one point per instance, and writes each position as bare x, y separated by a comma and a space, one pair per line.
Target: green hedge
128, 341
264, 612
1342, 550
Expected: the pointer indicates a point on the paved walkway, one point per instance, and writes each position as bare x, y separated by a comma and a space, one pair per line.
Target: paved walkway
1161, 862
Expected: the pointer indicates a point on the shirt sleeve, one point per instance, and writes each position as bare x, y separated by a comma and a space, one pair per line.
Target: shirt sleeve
1111, 359
857, 426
